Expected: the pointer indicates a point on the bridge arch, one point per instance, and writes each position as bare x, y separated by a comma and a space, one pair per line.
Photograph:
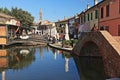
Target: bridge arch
90, 49
105, 46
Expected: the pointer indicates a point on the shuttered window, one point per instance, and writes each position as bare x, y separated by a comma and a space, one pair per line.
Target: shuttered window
102, 12
107, 10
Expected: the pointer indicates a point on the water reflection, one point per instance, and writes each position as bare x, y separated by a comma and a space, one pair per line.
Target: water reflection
43, 63
41, 53
90, 68
24, 52
66, 64
3, 62
65, 56
113, 79
3, 75
20, 58
15, 58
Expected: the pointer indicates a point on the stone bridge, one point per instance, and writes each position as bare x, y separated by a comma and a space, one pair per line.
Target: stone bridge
100, 44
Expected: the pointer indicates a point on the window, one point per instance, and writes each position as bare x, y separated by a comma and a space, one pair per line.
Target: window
107, 28
91, 15
118, 30
88, 17
62, 31
96, 14
119, 6
102, 12
81, 19
84, 18
107, 11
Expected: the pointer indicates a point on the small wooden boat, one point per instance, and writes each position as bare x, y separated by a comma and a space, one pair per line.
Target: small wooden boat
24, 37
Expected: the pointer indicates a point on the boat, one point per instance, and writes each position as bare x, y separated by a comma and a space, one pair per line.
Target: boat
24, 37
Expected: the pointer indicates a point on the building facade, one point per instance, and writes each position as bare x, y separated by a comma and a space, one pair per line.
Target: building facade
89, 18
91, 15
60, 25
104, 14
109, 16
71, 27
9, 27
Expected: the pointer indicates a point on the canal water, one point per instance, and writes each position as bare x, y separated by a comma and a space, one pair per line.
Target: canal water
45, 63
37, 63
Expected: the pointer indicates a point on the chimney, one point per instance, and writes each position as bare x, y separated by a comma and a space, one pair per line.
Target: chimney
88, 6
95, 2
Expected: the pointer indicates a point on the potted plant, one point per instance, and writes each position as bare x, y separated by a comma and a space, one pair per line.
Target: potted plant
74, 41
66, 43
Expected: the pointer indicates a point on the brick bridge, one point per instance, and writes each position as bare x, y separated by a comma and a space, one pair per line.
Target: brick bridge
100, 44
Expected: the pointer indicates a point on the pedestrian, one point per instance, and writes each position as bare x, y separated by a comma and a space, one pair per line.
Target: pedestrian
54, 40
94, 29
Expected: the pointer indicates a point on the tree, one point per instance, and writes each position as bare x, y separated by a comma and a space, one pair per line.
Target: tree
6, 11
1, 10
25, 18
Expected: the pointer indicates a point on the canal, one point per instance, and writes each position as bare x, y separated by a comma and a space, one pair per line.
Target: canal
45, 63
36, 63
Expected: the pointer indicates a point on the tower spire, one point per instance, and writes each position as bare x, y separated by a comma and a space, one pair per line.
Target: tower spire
40, 16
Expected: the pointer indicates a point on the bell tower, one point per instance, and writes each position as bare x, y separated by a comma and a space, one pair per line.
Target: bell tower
40, 20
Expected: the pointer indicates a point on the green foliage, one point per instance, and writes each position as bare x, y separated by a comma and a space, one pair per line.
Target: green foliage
70, 42
25, 18
5, 10
67, 42
75, 40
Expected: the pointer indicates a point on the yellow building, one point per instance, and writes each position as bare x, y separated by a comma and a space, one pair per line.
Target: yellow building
91, 15
60, 25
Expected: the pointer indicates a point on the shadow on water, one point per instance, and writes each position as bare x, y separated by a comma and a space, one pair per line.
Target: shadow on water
90, 68
95, 64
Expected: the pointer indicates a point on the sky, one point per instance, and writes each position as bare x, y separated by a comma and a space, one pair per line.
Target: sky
52, 10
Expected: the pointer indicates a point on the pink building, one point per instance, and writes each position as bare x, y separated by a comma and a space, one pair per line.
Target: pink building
109, 16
